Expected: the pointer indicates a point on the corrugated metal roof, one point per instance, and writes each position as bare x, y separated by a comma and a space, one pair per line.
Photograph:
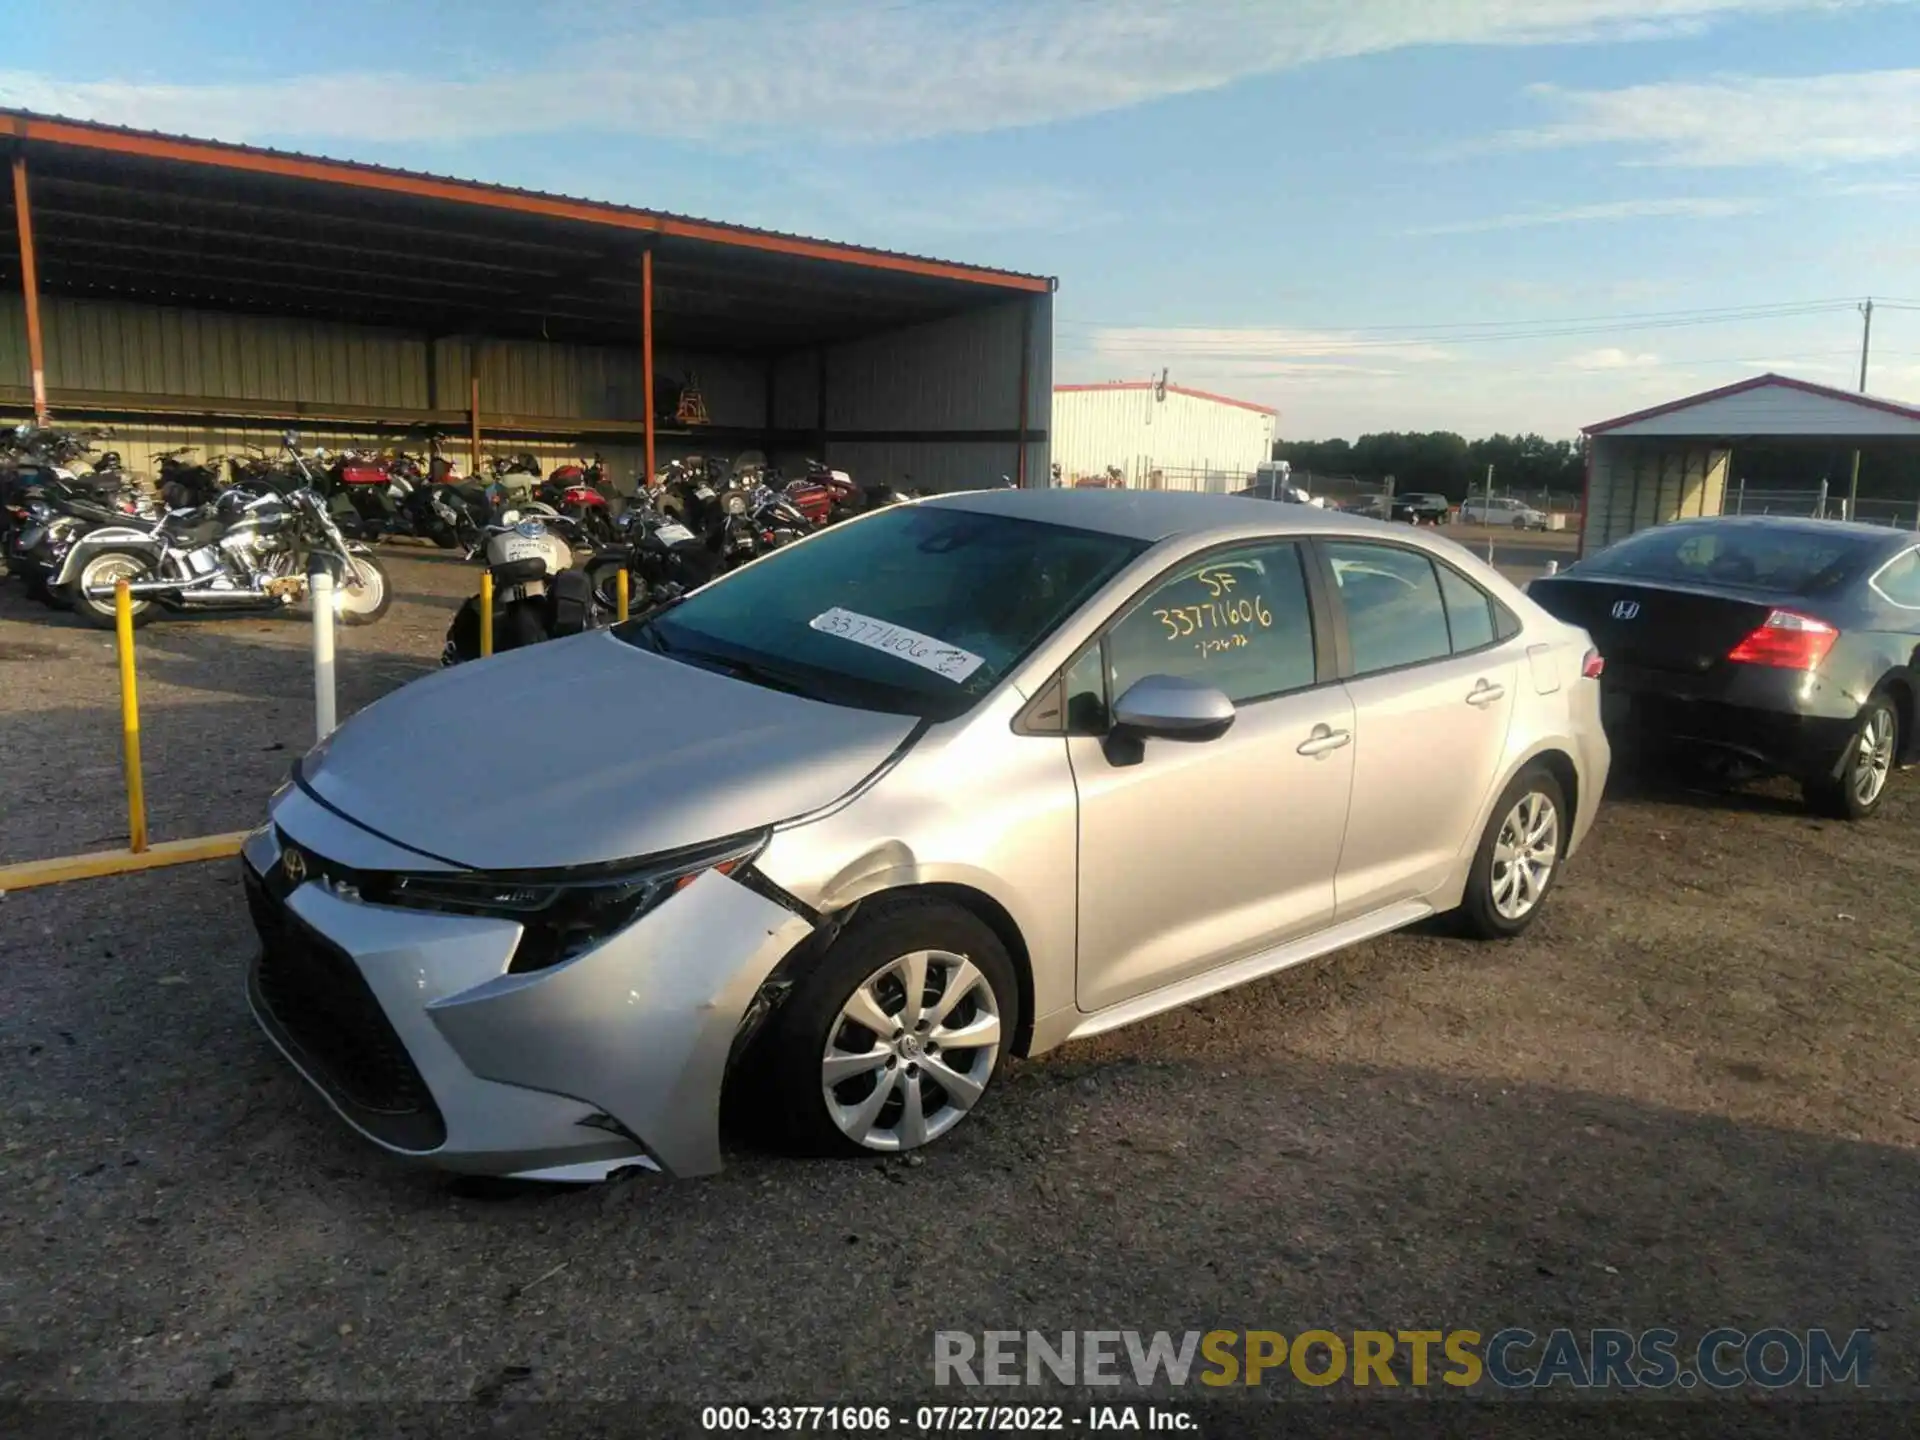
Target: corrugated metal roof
1761, 382
29, 125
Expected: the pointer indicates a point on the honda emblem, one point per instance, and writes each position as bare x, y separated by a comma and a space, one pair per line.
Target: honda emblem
1625, 609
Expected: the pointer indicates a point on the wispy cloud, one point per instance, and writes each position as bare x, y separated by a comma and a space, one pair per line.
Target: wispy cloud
1611, 357
1694, 207
1255, 349
1808, 122
853, 72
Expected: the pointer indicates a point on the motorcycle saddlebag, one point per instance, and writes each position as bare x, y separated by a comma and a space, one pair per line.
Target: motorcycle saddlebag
570, 597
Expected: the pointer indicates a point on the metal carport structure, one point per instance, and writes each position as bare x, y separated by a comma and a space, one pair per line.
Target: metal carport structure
201, 290
1673, 460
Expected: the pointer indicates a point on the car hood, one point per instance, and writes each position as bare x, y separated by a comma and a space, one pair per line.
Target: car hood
585, 750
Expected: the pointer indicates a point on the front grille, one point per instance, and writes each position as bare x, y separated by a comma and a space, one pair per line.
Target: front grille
314, 998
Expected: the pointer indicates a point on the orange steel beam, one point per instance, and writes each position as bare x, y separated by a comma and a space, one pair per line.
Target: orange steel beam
335, 172
646, 352
30, 290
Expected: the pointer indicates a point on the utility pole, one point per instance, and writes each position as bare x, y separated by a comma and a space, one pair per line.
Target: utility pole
1866, 339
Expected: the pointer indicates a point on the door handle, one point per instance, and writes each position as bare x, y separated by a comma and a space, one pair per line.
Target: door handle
1485, 693
1324, 741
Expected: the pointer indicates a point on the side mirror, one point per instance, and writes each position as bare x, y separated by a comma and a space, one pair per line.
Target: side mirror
290, 438
1166, 707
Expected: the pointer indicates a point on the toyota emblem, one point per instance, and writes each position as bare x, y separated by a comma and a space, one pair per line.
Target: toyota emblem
1625, 609
293, 865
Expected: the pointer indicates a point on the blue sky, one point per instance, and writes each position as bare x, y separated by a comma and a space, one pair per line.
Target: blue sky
1372, 214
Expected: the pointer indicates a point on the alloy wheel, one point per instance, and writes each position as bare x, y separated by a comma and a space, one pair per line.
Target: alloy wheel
1873, 757
106, 572
362, 590
1524, 854
911, 1051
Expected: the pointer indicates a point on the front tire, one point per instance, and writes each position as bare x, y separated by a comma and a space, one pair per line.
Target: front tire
1518, 858
103, 570
894, 1037
1865, 766
363, 595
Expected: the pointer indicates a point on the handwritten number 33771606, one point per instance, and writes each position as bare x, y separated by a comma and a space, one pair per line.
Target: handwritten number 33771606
1221, 611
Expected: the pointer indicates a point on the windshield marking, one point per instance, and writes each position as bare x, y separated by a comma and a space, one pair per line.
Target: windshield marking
928, 653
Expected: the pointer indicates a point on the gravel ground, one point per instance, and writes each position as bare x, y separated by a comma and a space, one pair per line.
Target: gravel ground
1689, 1096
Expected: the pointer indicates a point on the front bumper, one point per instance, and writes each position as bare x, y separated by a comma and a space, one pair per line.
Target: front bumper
412, 1027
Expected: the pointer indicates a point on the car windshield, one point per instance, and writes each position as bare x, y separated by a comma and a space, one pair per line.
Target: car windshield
1790, 560
918, 610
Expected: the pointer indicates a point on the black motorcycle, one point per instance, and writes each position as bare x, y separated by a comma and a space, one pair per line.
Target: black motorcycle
246, 551
537, 595
663, 558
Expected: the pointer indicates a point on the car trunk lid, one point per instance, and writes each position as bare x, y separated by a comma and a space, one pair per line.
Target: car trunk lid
1682, 629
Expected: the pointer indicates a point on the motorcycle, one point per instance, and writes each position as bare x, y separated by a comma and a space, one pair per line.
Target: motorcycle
575, 491
36, 461
244, 552
662, 557
537, 595
187, 484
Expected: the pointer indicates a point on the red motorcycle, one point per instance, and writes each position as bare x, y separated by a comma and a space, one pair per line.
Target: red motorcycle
574, 489
824, 495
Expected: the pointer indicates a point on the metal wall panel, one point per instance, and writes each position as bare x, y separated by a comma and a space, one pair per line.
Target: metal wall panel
1635, 484
148, 349
962, 373
1094, 429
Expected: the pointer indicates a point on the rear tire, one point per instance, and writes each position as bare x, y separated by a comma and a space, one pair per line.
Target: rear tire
1866, 765
1518, 858
104, 568
932, 1082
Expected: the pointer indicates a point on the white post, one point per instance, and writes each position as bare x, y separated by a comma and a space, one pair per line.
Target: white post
1553, 567
320, 591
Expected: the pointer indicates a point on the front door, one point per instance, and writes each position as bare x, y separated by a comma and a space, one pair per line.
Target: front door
1433, 688
1196, 854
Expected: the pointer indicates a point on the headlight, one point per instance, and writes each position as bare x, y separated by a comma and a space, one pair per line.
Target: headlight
736, 504
566, 913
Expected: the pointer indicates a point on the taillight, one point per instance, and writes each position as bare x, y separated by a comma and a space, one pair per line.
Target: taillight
1593, 665
1788, 641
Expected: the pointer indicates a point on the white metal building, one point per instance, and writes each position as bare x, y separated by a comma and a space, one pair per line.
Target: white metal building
1158, 436
1673, 460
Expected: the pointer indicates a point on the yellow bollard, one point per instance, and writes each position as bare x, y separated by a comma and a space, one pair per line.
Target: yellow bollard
620, 584
486, 613
130, 720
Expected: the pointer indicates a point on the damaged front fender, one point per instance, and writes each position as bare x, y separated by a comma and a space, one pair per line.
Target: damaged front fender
643, 1025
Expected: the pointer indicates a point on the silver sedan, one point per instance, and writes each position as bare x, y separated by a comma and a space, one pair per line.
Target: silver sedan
961, 779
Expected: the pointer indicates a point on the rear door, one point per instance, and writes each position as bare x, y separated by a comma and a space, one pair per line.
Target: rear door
1432, 685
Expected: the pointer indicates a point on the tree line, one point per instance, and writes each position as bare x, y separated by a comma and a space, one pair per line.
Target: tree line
1443, 462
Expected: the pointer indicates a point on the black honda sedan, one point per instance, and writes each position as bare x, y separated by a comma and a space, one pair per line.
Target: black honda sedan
1784, 645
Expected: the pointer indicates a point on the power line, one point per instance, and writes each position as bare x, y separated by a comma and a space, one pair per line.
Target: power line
1703, 313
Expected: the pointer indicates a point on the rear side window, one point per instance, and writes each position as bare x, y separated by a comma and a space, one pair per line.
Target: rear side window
1395, 613
1795, 560
1469, 611
1899, 580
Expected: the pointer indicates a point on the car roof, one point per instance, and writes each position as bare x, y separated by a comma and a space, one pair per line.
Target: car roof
1890, 538
1155, 515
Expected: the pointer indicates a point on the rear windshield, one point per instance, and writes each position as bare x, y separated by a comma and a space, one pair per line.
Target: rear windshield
918, 610
1788, 560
